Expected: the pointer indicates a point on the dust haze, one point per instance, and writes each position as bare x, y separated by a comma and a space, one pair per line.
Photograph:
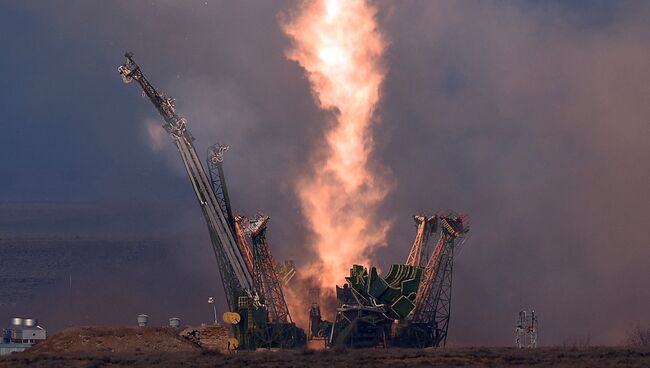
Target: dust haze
531, 117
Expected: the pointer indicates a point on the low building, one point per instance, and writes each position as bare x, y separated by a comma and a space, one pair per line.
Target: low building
21, 335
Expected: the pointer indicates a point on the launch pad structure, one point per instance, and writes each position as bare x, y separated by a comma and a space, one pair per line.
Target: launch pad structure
243, 283
411, 305
408, 307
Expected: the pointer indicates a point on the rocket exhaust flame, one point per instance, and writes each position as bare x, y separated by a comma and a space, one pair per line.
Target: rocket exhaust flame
340, 48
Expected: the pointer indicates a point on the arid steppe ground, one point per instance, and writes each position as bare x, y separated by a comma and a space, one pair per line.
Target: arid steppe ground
97, 346
463, 357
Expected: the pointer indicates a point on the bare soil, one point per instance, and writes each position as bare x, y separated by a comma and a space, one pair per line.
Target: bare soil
165, 347
116, 340
393, 358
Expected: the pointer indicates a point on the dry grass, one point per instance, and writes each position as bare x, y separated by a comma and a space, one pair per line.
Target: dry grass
393, 358
163, 347
639, 337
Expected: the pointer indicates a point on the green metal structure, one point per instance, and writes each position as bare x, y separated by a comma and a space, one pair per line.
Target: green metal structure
410, 306
370, 303
255, 330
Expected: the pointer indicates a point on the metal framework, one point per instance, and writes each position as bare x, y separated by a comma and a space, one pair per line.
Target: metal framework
286, 271
408, 307
247, 269
233, 252
369, 304
235, 274
241, 223
360, 326
265, 271
526, 330
419, 255
433, 303
218, 180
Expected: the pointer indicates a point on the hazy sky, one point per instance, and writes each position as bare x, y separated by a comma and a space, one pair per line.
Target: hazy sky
532, 117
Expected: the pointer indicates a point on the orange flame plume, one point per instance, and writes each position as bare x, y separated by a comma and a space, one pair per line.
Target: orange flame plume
340, 48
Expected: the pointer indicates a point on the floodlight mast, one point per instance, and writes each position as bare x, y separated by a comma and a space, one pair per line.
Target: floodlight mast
233, 269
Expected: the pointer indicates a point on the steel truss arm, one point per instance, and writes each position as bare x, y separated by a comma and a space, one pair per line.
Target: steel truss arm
218, 179
265, 271
224, 244
418, 256
433, 301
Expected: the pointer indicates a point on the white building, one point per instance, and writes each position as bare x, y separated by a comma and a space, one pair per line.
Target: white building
21, 335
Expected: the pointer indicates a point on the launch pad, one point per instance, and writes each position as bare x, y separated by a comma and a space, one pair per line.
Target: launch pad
408, 307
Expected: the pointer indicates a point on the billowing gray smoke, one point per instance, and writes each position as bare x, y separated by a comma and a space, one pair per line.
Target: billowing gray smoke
530, 117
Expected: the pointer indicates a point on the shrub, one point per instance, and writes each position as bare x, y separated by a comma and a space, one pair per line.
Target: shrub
639, 336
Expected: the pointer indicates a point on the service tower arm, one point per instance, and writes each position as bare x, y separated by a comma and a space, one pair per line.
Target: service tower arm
269, 282
418, 256
433, 300
218, 179
227, 251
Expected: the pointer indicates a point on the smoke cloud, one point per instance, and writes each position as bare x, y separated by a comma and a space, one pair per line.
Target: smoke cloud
531, 117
